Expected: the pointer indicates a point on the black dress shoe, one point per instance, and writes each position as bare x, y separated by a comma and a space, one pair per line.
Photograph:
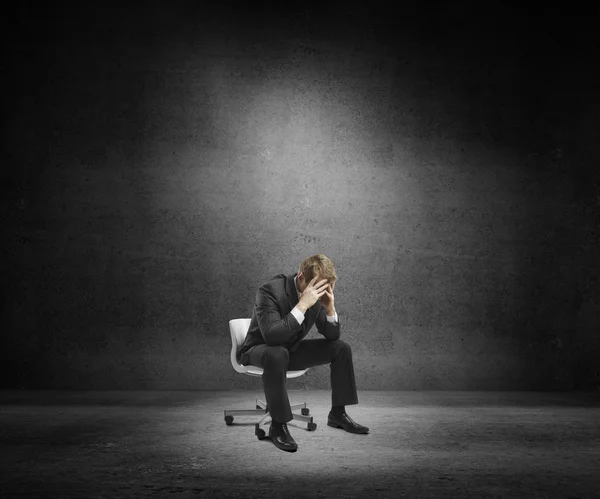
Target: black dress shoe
280, 436
345, 422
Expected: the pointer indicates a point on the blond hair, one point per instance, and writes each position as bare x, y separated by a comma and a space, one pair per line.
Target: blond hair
317, 265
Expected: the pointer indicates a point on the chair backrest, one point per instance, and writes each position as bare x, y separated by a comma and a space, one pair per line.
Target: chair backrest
238, 329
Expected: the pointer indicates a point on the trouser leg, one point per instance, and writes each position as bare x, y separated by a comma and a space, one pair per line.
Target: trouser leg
274, 362
316, 352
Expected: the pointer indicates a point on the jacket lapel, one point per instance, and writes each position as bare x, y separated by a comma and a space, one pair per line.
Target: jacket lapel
290, 291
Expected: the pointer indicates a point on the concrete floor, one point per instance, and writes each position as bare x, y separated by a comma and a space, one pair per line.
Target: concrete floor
422, 444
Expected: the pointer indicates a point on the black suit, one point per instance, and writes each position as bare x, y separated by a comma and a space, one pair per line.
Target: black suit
275, 341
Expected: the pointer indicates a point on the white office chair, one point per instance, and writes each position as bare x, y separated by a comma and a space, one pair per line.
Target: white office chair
238, 329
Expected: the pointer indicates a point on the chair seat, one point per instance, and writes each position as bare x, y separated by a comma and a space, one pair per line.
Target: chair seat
257, 371
238, 329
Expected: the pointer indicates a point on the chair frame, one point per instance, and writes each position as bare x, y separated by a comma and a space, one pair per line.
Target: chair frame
236, 326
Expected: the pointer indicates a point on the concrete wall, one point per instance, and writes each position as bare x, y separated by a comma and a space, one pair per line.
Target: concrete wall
164, 162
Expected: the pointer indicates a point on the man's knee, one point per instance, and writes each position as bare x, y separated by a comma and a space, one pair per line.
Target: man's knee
274, 357
340, 347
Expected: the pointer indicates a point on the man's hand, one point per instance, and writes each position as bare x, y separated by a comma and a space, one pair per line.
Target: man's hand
327, 300
312, 293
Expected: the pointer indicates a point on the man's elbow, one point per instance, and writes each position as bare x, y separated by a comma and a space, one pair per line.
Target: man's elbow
333, 335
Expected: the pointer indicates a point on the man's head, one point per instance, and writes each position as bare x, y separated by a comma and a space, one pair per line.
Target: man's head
316, 265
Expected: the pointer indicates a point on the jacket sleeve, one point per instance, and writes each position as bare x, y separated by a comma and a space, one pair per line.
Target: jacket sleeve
276, 330
326, 328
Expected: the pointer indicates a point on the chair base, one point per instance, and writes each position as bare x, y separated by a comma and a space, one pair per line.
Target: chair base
306, 421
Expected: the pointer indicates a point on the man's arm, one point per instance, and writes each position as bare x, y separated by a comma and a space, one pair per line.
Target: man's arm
328, 326
276, 330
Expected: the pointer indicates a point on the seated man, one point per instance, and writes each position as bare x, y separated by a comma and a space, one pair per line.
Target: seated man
285, 309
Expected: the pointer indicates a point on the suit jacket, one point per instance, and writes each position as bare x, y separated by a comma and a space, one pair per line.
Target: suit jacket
273, 323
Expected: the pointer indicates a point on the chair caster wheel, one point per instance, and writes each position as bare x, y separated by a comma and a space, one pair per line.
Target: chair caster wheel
259, 432
305, 411
228, 420
311, 426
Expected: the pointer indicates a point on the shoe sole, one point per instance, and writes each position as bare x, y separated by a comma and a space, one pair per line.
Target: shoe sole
335, 425
286, 449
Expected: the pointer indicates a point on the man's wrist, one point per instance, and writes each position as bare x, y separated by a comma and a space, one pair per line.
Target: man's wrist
300, 306
330, 312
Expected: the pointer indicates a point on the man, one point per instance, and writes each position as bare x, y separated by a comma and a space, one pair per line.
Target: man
285, 309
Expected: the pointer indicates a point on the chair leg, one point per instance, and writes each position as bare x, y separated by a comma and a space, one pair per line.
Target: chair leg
229, 413
307, 420
263, 410
304, 419
265, 419
244, 412
303, 409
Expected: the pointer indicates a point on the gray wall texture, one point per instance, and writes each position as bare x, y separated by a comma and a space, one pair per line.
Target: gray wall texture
161, 163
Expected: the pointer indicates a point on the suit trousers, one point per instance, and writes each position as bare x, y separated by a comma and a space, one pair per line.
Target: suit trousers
277, 360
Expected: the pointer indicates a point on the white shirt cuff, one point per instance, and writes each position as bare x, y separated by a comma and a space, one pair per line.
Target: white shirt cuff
332, 318
298, 315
